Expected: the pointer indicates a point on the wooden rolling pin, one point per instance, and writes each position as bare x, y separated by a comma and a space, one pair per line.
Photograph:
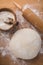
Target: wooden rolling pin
30, 15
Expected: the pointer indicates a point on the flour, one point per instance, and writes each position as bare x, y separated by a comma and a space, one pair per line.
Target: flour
19, 16
5, 50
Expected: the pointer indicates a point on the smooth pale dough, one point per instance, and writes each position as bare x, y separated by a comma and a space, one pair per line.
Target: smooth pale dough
25, 43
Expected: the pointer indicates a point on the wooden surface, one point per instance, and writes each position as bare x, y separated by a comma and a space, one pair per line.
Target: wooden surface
33, 13
7, 4
35, 18
7, 60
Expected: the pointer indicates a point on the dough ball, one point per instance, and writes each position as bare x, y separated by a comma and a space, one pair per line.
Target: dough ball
25, 44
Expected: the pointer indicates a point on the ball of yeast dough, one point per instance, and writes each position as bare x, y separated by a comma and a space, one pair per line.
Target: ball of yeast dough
25, 44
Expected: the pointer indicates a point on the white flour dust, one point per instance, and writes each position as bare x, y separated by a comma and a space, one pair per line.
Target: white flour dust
5, 50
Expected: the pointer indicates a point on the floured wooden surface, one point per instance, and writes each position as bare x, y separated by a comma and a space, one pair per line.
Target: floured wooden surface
35, 5
6, 57
32, 11
7, 61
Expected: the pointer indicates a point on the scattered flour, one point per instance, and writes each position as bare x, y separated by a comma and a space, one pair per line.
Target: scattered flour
5, 51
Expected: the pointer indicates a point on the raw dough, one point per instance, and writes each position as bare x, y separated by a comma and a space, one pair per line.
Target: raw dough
25, 44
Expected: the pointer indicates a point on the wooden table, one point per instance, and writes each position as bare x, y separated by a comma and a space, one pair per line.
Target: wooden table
7, 60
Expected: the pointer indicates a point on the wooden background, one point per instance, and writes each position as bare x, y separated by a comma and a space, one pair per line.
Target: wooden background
10, 4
